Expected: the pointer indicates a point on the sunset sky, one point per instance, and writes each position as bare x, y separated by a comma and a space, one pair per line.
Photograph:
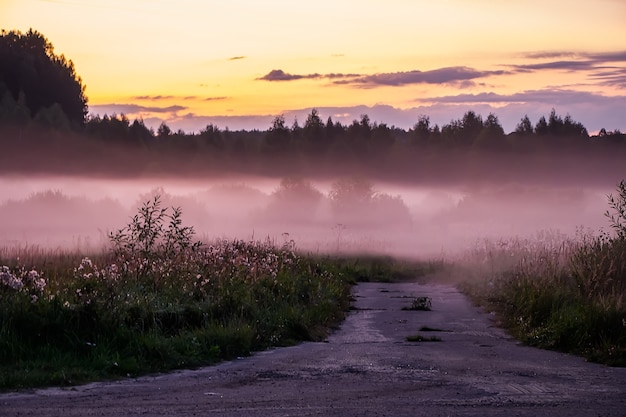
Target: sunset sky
239, 63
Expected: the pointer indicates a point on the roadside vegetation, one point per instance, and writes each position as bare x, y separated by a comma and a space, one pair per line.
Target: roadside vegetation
566, 294
157, 300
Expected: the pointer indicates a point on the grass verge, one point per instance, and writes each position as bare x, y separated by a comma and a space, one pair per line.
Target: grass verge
567, 296
157, 301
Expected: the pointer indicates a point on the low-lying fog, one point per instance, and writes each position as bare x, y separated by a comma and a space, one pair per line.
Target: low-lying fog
343, 215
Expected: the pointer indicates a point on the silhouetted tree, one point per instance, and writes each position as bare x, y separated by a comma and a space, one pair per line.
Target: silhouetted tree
314, 132
212, 136
491, 135
472, 125
381, 140
524, 127
164, 130
421, 131
29, 66
278, 137
541, 128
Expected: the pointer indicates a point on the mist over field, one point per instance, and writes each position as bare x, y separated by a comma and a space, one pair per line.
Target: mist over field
345, 214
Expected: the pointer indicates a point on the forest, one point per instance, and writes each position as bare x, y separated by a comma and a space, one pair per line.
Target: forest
45, 127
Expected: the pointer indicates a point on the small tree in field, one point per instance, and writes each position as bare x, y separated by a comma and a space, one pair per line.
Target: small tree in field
618, 208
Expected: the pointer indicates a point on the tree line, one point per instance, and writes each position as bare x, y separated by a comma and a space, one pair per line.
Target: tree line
40, 94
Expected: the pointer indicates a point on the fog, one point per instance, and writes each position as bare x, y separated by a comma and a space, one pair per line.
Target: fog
340, 215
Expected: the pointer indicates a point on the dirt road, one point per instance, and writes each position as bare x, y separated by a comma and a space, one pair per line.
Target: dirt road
367, 368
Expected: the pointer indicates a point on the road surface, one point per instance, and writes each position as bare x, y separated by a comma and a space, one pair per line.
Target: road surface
366, 368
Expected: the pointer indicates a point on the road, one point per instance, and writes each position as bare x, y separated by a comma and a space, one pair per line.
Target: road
366, 368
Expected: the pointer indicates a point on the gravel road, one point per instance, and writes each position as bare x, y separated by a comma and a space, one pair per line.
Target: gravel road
366, 368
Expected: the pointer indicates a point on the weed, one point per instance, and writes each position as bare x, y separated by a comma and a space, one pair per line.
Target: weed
420, 304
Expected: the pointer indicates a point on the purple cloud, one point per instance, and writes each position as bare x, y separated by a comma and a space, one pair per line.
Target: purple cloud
449, 75
280, 75
553, 96
581, 62
132, 108
558, 65
156, 97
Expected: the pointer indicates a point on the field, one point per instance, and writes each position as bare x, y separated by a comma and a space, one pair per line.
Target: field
159, 299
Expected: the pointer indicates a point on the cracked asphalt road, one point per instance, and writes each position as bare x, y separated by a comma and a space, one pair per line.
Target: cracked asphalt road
366, 368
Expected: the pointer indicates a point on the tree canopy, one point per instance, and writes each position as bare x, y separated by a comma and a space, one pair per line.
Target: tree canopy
35, 83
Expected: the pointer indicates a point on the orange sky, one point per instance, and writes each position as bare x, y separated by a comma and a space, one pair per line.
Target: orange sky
238, 64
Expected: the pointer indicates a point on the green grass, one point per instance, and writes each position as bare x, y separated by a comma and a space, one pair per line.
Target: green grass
381, 268
555, 292
156, 301
568, 296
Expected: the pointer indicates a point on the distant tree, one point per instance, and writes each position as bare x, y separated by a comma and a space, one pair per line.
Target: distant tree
212, 136
556, 126
421, 130
139, 132
296, 130
332, 130
314, 132
573, 128
29, 66
463, 132
491, 135
11, 110
382, 139
472, 125
52, 116
524, 127
278, 137
164, 130
541, 128
348, 193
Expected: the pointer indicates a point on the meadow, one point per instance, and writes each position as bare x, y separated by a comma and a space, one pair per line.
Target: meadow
158, 299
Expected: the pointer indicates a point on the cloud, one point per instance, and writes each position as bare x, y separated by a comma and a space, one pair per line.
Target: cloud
461, 76
611, 77
554, 96
132, 109
236, 58
449, 75
585, 61
554, 54
216, 98
280, 75
558, 65
155, 97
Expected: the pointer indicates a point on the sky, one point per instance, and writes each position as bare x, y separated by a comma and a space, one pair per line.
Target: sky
238, 64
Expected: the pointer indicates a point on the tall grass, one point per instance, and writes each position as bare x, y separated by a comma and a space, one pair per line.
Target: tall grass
559, 293
157, 300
